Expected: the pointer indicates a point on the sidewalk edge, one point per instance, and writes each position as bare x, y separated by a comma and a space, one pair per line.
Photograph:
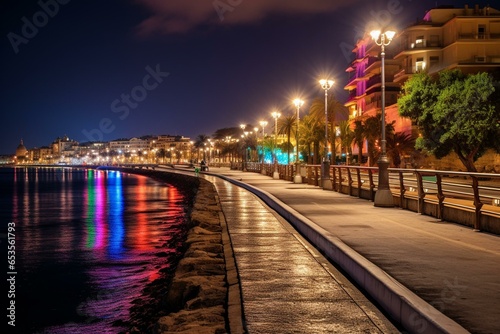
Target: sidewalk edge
411, 311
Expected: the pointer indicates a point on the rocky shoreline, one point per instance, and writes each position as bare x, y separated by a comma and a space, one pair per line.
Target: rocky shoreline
201, 294
199, 289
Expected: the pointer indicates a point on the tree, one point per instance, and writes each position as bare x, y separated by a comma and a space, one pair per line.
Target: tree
453, 112
346, 137
312, 133
200, 143
372, 133
336, 112
399, 144
287, 125
227, 140
161, 154
224, 133
359, 137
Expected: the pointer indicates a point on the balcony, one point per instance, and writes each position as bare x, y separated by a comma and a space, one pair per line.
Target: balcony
414, 47
352, 98
373, 66
352, 83
473, 36
373, 81
480, 60
403, 74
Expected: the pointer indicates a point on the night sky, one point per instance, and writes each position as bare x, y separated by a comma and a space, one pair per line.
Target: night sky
108, 69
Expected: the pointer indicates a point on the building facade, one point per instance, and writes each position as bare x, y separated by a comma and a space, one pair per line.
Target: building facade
446, 38
450, 38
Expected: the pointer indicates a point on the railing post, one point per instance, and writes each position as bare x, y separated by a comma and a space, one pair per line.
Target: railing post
340, 179
316, 182
358, 173
349, 180
440, 196
372, 185
402, 189
334, 178
477, 204
420, 192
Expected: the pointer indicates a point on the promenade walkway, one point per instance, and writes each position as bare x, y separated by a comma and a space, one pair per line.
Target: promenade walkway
287, 287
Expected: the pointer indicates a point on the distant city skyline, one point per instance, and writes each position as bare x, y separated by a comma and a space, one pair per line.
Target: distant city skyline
122, 69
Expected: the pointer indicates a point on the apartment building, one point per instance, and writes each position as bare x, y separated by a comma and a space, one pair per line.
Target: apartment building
446, 38
449, 38
175, 148
132, 145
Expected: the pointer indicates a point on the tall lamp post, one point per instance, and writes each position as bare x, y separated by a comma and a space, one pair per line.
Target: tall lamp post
297, 178
325, 167
243, 159
263, 124
276, 115
383, 196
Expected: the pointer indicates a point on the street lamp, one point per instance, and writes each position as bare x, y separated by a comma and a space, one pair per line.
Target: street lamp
276, 115
243, 160
297, 178
383, 196
263, 124
325, 167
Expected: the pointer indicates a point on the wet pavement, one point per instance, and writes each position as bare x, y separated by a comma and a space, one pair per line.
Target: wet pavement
288, 287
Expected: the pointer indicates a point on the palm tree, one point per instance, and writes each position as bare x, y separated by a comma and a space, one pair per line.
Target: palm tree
372, 133
286, 126
200, 143
268, 147
223, 133
346, 137
399, 144
161, 154
312, 133
227, 138
336, 112
359, 137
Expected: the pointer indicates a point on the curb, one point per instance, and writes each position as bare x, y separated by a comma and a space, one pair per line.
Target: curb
404, 306
235, 314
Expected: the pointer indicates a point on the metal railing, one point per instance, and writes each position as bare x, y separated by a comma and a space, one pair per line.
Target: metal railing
478, 193
436, 193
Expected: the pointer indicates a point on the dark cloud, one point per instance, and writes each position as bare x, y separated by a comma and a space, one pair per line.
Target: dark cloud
175, 16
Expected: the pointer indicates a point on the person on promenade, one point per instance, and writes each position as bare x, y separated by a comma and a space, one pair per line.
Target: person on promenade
204, 166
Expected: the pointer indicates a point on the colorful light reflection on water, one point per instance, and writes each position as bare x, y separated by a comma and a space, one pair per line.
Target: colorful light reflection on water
86, 243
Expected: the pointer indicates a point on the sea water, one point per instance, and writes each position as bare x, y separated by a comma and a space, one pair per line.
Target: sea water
86, 244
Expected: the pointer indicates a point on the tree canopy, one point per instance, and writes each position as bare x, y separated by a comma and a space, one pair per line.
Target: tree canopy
453, 112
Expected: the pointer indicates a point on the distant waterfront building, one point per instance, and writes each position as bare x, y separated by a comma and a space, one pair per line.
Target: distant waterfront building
7, 159
63, 147
146, 149
168, 148
132, 145
42, 155
21, 152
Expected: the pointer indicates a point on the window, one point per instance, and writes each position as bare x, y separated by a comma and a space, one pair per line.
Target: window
481, 31
434, 41
433, 60
419, 42
419, 65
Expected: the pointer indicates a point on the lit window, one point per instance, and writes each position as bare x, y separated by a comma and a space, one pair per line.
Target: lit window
419, 65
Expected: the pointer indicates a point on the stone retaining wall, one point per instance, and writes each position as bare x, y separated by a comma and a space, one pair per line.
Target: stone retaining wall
198, 293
